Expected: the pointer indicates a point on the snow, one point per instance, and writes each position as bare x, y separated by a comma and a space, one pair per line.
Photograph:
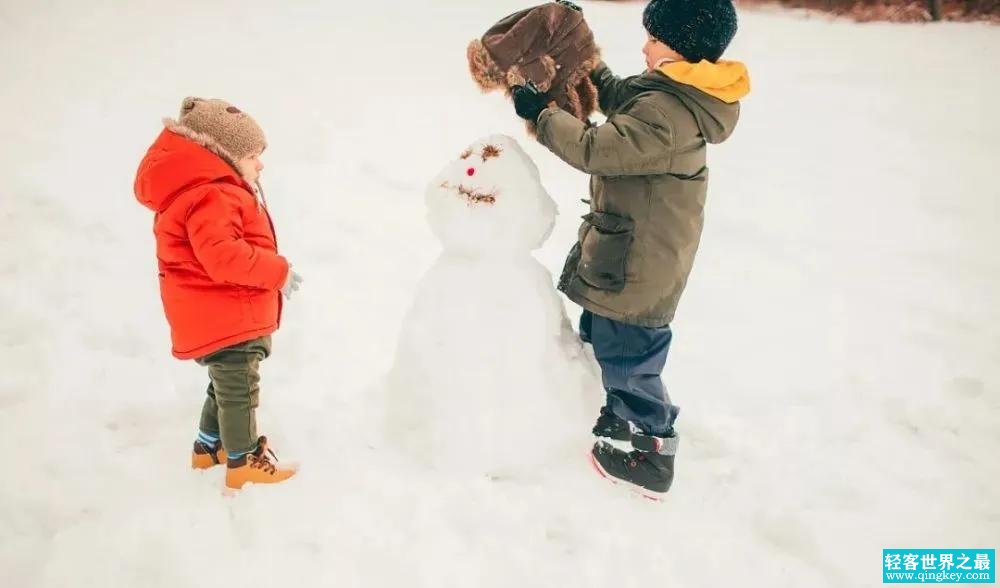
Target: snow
490, 201
487, 357
835, 354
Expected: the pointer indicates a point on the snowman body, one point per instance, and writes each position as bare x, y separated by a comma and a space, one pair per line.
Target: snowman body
488, 376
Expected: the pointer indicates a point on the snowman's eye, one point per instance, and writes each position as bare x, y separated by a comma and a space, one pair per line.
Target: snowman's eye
490, 151
465, 154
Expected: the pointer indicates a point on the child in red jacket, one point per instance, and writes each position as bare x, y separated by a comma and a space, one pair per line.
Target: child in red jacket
221, 278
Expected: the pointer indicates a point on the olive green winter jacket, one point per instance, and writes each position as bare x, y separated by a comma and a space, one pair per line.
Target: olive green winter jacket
637, 245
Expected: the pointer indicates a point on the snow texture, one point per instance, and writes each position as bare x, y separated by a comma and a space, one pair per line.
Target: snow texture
489, 378
490, 201
835, 354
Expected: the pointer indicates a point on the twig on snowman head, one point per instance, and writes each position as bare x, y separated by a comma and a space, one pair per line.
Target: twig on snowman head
473, 196
491, 151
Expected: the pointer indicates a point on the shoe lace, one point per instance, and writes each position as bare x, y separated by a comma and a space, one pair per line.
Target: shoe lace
265, 460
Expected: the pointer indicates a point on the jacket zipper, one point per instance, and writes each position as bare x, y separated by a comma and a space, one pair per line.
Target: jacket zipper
274, 235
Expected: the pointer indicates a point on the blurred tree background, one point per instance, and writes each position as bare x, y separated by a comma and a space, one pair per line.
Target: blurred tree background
895, 10
898, 10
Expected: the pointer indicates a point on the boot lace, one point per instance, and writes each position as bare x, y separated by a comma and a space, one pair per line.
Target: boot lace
264, 459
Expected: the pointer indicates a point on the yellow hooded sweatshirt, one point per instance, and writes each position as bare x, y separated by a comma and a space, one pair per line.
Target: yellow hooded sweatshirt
728, 81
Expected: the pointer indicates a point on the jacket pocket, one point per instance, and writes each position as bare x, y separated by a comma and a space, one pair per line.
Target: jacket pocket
604, 248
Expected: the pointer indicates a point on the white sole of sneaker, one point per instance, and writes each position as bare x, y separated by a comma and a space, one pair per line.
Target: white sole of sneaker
625, 446
636, 489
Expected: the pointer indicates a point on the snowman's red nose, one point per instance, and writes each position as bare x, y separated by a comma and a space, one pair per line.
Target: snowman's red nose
471, 171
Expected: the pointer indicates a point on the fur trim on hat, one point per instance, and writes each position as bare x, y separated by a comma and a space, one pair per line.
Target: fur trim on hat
208, 142
528, 46
549, 69
484, 70
579, 97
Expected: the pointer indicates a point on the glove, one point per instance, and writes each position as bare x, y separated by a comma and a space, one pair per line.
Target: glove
292, 283
529, 102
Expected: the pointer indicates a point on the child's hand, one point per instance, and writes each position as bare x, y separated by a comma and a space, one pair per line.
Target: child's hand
529, 102
292, 283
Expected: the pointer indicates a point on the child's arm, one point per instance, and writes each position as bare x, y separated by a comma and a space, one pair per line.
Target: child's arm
636, 142
215, 229
609, 87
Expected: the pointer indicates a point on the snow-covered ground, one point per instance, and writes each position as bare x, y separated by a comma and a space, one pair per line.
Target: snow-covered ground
836, 354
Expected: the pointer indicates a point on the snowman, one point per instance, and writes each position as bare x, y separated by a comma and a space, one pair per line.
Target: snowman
489, 378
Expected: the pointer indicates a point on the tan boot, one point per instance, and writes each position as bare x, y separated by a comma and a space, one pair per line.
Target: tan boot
259, 467
204, 456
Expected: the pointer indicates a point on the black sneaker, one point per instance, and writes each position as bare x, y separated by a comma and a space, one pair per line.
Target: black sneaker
648, 472
611, 426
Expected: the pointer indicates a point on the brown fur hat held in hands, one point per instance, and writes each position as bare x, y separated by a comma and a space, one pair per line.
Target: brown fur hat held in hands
550, 45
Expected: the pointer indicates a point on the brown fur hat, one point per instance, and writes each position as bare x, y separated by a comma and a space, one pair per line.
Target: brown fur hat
550, 45
220, 127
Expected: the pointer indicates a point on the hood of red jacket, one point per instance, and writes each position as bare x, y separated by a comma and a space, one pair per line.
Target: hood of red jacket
173, 165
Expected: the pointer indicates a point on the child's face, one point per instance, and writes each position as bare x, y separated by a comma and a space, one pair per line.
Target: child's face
656, 51
251, 167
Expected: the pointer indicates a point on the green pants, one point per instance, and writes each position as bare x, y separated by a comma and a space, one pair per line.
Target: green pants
233, 394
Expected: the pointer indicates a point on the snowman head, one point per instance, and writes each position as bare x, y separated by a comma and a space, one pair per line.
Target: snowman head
490, 200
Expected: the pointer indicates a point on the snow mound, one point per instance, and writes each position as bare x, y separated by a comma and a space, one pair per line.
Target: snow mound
488, 377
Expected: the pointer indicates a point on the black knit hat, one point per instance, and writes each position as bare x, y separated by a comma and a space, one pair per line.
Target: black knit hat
697, 29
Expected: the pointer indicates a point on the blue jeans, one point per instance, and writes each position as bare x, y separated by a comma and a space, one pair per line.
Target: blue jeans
631, 360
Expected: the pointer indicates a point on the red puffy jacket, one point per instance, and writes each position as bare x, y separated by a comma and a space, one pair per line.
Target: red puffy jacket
220, 272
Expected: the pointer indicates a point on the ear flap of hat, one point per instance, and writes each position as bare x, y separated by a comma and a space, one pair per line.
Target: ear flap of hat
515, 77
573, 105
541, 71
188, 104
483, 68
549, 45
587, 92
